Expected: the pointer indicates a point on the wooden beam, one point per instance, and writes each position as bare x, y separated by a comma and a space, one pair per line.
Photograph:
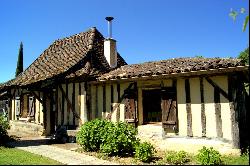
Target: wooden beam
104, 98
118, 109
188, 108
233, 111
96, 101
36, 96
216, 86
62, 109
119, 101
203, 115
218, 113
68, 101
56, 107
73, 101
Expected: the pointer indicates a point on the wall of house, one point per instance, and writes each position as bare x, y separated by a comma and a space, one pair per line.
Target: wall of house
147, 85
73, 96
13, 107
15, 102
204, 116
24, 106
105, 101
209, 118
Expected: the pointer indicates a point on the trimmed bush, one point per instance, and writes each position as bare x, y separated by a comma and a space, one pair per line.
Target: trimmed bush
144, 152
113, 139
91, 134
4, 125
119, 139
177, 158
209, 156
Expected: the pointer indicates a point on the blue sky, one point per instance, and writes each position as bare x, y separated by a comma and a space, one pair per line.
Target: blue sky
145, 30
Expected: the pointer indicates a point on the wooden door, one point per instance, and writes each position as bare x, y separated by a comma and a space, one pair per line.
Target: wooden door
152, 112
169, 112
130, 107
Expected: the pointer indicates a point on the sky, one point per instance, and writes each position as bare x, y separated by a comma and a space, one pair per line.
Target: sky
145, 30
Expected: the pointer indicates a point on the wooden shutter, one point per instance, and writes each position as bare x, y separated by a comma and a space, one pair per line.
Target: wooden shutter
169, 112
17, 106
130, 106
31, 106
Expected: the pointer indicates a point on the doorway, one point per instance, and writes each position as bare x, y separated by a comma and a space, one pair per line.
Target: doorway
152, 112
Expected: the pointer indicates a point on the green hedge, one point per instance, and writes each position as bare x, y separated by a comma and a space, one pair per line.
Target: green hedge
91, 134
144, 152
209, 156
107, 137
112, 139
177, 158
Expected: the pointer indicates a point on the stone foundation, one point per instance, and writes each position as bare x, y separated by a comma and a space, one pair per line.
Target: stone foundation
153, 133
26, 128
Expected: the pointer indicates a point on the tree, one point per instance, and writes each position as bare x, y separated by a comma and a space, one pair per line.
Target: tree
199, 56
234, 14
244, 55
19, 67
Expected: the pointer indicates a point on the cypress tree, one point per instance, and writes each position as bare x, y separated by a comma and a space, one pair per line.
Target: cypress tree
19, 67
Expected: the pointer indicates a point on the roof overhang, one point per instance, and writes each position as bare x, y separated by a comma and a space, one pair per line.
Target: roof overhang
210, 72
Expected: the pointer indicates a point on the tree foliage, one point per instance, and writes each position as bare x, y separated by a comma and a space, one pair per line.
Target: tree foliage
242, 11
244, 55
19, 67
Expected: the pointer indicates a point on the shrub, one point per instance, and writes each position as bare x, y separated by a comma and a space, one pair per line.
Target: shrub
91, 134
144, 152
119, 140
4, 125
107, 137
209, 156
177, 158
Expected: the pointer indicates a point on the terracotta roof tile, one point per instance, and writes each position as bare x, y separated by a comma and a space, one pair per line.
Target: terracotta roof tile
170, 66
64, 56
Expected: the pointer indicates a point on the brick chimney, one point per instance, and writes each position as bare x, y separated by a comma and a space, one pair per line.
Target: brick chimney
110, 46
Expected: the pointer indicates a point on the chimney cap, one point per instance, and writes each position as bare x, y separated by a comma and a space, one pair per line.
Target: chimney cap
109, 18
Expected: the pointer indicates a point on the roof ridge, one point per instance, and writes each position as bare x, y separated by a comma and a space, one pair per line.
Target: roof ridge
93, 31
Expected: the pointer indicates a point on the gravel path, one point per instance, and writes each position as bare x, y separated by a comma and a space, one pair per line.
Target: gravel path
63, 154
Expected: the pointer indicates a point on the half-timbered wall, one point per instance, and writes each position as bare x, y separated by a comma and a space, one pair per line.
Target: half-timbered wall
209, 114
71, 104
20, 98
107, 101
202, 110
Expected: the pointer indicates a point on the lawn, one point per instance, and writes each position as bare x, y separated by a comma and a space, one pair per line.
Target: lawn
13, 156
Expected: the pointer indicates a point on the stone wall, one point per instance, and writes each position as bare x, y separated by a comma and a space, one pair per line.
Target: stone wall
26, 128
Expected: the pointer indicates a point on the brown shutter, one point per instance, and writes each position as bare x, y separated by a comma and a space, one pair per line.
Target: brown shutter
169, 112
18, 106
130, 106
31, 106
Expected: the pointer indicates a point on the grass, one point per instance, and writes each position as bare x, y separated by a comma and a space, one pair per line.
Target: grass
236, 160
13, 156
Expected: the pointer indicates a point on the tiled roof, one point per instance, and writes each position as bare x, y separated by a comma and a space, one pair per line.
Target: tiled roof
170, 66
69, 57
5, 84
